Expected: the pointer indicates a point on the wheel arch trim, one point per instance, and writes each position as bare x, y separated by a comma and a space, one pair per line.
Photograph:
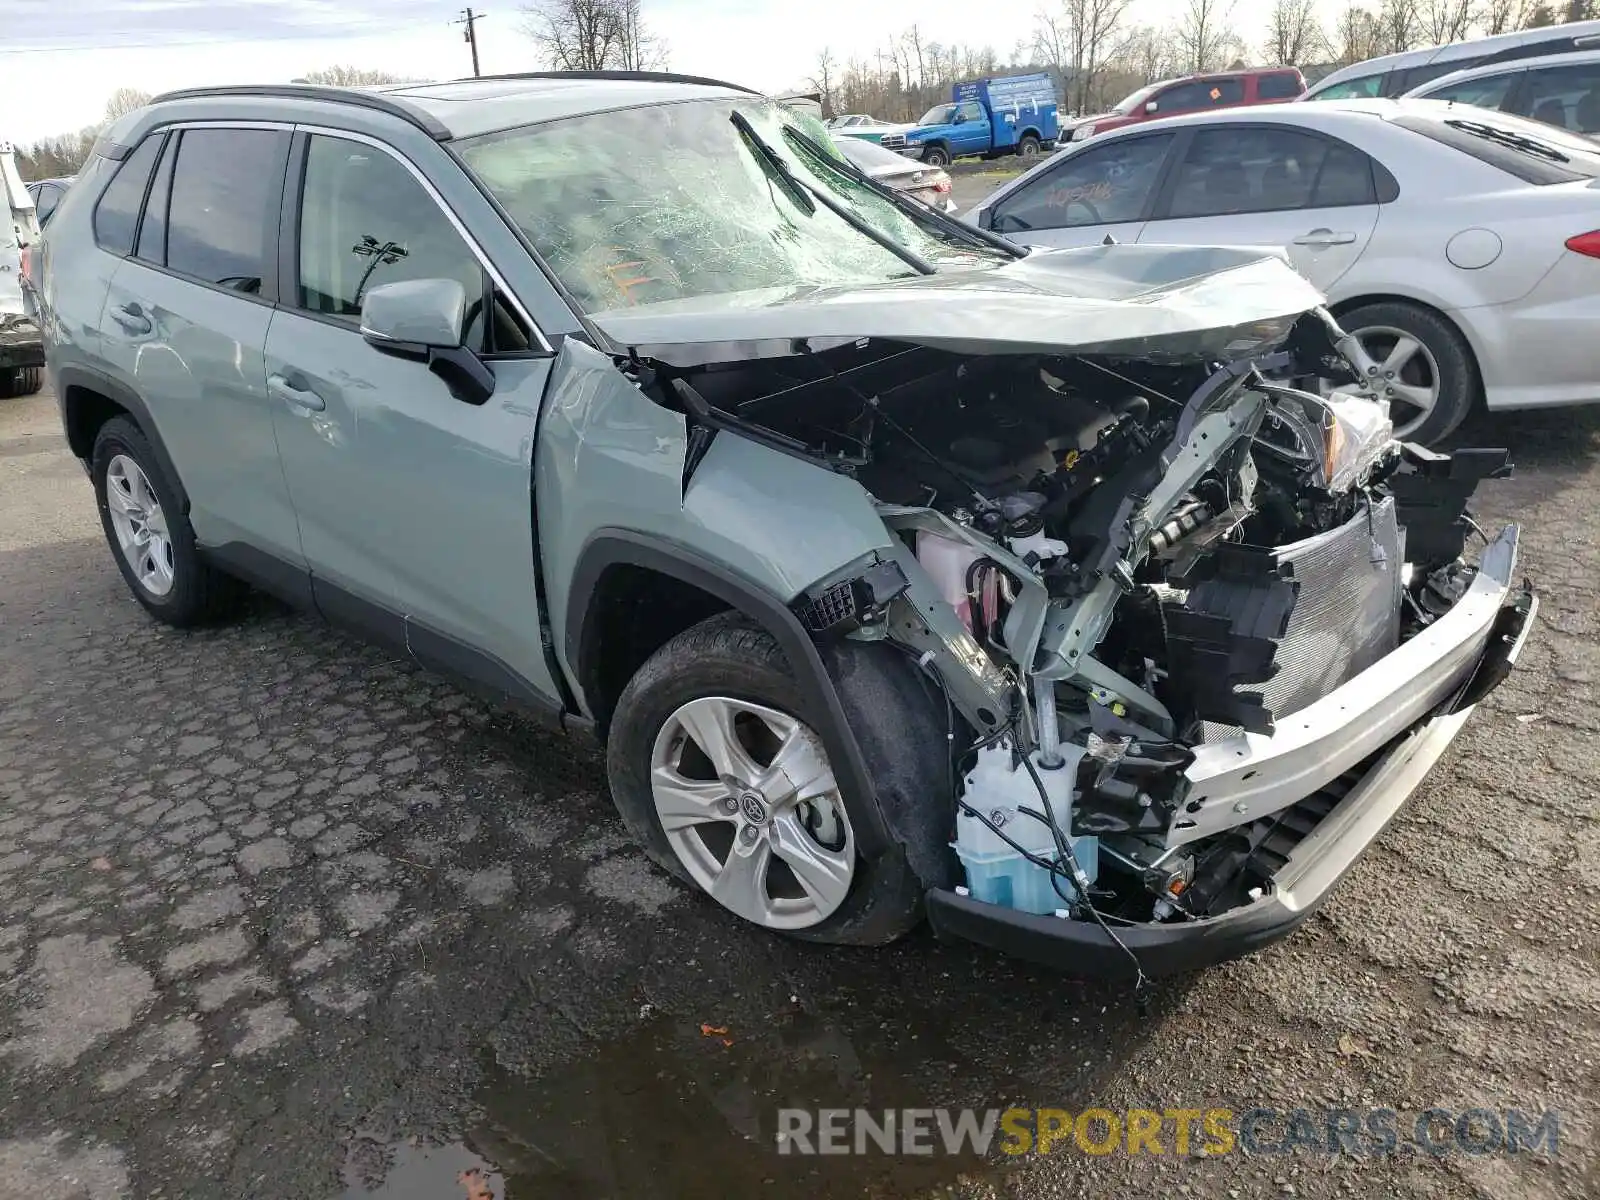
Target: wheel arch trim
610, 547
72, 381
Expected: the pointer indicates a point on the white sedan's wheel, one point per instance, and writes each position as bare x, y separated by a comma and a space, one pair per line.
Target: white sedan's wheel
1415, 359
1408, 376
750, 806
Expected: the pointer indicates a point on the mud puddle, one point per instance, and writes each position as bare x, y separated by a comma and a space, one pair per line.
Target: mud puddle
676, 1111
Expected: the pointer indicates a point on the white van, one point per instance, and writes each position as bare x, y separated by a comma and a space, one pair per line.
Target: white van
1397, 74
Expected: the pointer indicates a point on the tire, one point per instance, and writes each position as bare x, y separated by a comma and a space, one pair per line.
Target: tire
936, 156
1445, 356
1027, 146
20, 381
898, 723
195, 592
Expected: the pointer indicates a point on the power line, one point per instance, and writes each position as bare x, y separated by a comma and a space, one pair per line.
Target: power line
470, 20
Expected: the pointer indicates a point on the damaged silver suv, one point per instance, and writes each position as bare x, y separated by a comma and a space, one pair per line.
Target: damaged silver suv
900, 572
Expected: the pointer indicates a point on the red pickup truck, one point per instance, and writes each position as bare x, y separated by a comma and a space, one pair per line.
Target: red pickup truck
1194, 93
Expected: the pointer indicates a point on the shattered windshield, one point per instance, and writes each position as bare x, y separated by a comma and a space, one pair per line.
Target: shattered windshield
672, 201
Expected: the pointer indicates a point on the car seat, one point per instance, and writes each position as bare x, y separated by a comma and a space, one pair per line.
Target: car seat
1551, 112
1588, 114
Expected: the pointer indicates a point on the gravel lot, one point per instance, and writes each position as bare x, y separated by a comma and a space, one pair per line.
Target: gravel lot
282, 916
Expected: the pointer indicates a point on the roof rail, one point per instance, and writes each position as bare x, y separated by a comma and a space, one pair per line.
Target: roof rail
623, 76
305, 91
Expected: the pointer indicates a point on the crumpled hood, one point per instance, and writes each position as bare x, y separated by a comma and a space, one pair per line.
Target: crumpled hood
1172, 303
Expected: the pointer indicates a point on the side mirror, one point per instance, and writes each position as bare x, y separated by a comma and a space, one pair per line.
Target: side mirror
425, 320
1150, 106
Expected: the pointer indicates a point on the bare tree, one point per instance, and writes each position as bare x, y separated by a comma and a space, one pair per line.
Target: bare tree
822, 81
351, 77
123, 101
1398, 26
1150, 55
1079, 38
1446, 20
593, 35
1505, 16
1356, 36
1206, 35
641, 50
1294, 34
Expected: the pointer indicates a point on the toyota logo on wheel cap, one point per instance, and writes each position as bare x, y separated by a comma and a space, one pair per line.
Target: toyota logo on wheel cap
754, 807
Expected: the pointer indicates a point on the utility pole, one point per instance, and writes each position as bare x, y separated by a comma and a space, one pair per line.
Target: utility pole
470, 20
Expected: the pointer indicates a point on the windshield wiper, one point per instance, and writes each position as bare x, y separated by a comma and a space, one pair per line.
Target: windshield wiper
1506, 138
919, 213
774, 160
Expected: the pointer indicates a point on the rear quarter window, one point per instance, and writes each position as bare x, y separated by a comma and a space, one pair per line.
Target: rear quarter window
116, 216
1533, 153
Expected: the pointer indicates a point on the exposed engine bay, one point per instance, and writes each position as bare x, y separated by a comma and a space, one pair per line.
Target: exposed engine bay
1124, 575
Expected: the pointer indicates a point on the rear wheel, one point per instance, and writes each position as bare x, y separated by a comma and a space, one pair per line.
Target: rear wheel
20, 381
717, 768
150, 534
936, 156
1028, 146
1419, 363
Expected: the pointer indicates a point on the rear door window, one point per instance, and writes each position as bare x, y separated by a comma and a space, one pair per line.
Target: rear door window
1200, 93
1361, 88
1112, 182
116, 216
222, 226
1566, 97
1404, 81
1230, 170
1282, 86
1487, 92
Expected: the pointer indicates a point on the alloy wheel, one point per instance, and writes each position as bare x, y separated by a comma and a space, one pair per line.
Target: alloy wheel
1402, 371
749, 804
140, 525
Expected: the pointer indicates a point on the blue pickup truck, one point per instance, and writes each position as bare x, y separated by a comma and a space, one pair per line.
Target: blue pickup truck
1012, 114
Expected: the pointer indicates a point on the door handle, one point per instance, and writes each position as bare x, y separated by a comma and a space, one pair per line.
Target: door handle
295, 397
131, 317
1324, 237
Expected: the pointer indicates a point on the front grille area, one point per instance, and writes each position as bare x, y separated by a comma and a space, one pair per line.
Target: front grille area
1347, 613
1268, 631
893, 141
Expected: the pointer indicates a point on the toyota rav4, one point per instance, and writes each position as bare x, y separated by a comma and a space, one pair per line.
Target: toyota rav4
898, 570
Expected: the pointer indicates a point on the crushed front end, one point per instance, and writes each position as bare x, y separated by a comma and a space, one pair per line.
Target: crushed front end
1200, 634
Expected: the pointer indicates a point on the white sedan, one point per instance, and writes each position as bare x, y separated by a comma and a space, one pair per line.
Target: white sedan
1460, 246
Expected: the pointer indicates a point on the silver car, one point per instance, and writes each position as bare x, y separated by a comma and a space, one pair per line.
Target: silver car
1396, 74
1562, 90
897, 571
929, 185
1461, 247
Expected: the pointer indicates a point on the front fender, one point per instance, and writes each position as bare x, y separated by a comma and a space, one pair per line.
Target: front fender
610, 462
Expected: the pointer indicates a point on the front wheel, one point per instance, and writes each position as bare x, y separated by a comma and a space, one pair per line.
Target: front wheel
717, 768
936, 156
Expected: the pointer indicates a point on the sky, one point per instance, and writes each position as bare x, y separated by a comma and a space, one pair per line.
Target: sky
61, 59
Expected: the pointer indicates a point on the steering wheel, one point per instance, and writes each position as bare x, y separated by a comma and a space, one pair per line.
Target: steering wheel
1094, 213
